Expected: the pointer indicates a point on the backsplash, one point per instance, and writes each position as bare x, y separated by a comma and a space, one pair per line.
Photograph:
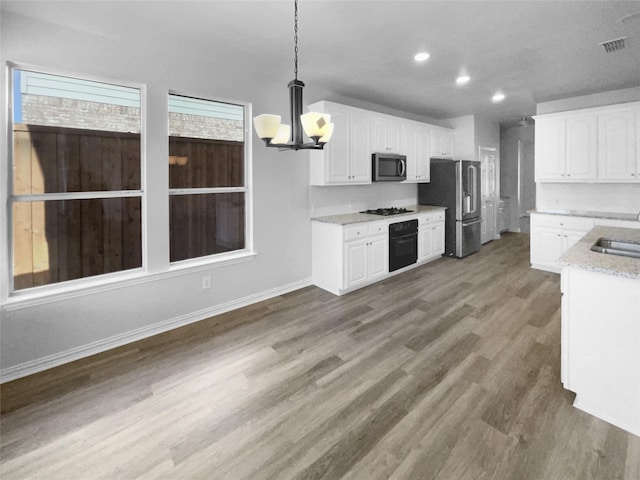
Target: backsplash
334, 200
597, 197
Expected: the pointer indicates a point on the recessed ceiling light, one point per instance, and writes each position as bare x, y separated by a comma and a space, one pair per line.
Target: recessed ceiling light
421, 57
463, 79
497, 97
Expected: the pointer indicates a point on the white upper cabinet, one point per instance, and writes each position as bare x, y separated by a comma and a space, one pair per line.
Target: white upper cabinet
417, 141
387, 135
617, 155
346, 158
357, 134
550, 148
442, 142
590, 145
581, 148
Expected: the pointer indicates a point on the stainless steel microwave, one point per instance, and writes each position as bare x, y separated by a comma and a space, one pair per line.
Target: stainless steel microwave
388, 167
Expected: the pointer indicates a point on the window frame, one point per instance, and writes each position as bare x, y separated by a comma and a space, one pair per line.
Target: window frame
8, 291
247, 189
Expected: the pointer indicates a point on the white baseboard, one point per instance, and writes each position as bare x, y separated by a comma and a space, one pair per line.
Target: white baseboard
635, 429
50, 361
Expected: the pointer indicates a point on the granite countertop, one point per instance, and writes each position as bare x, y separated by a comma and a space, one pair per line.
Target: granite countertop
356, 217
586, 213
580, 255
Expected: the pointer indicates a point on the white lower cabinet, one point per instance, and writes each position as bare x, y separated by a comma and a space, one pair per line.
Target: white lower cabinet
348, 257
430, 236
365, 260
553, 235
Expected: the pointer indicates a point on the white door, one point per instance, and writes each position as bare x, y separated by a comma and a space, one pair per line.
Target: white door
378, 259
550, 149
424, 242
489, 193
437, 239
617, 144
336, 152
355, 271
423, 152
581, 148
360, 165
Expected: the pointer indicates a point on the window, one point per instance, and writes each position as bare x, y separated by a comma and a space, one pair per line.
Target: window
207, 178
76, 183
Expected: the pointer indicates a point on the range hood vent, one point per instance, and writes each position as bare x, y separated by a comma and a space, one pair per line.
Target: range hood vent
613, 45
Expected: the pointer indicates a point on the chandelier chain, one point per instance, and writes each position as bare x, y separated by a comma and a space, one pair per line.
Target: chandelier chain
295, 39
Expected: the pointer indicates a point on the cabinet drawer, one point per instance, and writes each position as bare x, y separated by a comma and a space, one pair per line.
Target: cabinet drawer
561, 222
431, 217
378, 228
356, 232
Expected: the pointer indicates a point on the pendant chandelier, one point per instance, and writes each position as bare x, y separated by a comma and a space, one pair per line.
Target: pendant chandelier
317, 126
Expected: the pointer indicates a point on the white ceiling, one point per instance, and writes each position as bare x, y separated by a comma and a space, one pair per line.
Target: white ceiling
534, 51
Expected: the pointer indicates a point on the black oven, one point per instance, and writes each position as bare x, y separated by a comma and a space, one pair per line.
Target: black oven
403, 244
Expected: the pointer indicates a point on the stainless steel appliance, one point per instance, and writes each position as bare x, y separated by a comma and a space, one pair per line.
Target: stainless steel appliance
455, 184
403, 244
388, 167
387, 211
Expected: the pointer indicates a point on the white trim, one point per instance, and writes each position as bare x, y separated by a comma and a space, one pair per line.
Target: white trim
113, 281
635, 429
50, 361
204, 190
45, 197
8, 294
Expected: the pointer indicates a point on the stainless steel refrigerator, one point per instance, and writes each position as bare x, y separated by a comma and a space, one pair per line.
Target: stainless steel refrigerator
455, 184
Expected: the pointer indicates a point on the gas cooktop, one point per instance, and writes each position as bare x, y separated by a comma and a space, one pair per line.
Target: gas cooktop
387, 211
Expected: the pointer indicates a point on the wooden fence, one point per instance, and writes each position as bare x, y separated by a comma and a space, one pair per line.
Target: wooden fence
58, 240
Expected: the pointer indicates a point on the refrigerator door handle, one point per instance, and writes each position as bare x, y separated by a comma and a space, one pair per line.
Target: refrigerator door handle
466, 224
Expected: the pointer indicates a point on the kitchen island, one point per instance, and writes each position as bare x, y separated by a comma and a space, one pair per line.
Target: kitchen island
600, 338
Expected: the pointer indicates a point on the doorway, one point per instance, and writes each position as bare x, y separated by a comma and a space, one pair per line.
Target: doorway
489, 195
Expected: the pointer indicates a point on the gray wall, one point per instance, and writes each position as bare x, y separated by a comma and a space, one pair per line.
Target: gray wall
32, 334
37, 335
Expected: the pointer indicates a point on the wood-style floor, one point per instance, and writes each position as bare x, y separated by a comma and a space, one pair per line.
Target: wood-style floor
448, 371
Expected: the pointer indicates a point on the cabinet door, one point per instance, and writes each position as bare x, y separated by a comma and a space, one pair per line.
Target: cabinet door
546, 246
378, 261
437, 140
360, 154
379, 135
337, 151
571, 237
437, 239
425, 240
582, 148
550, 149
411, 149
617, 146
355, 268
395, 137
447, 143
423, 154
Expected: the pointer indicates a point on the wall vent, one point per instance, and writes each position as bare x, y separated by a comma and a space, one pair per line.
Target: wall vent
613, 45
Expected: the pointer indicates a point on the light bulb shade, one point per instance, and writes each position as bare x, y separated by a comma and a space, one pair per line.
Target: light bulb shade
315, 124
282, 135
327, 135
266, 125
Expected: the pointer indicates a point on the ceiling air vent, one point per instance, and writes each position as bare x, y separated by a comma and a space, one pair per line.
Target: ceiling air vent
613, 45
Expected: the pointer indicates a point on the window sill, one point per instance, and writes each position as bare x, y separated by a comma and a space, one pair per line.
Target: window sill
57, 293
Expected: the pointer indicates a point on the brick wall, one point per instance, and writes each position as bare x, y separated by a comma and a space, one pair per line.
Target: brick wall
65, 112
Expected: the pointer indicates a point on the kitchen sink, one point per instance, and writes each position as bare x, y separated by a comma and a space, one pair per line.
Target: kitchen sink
617, 247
